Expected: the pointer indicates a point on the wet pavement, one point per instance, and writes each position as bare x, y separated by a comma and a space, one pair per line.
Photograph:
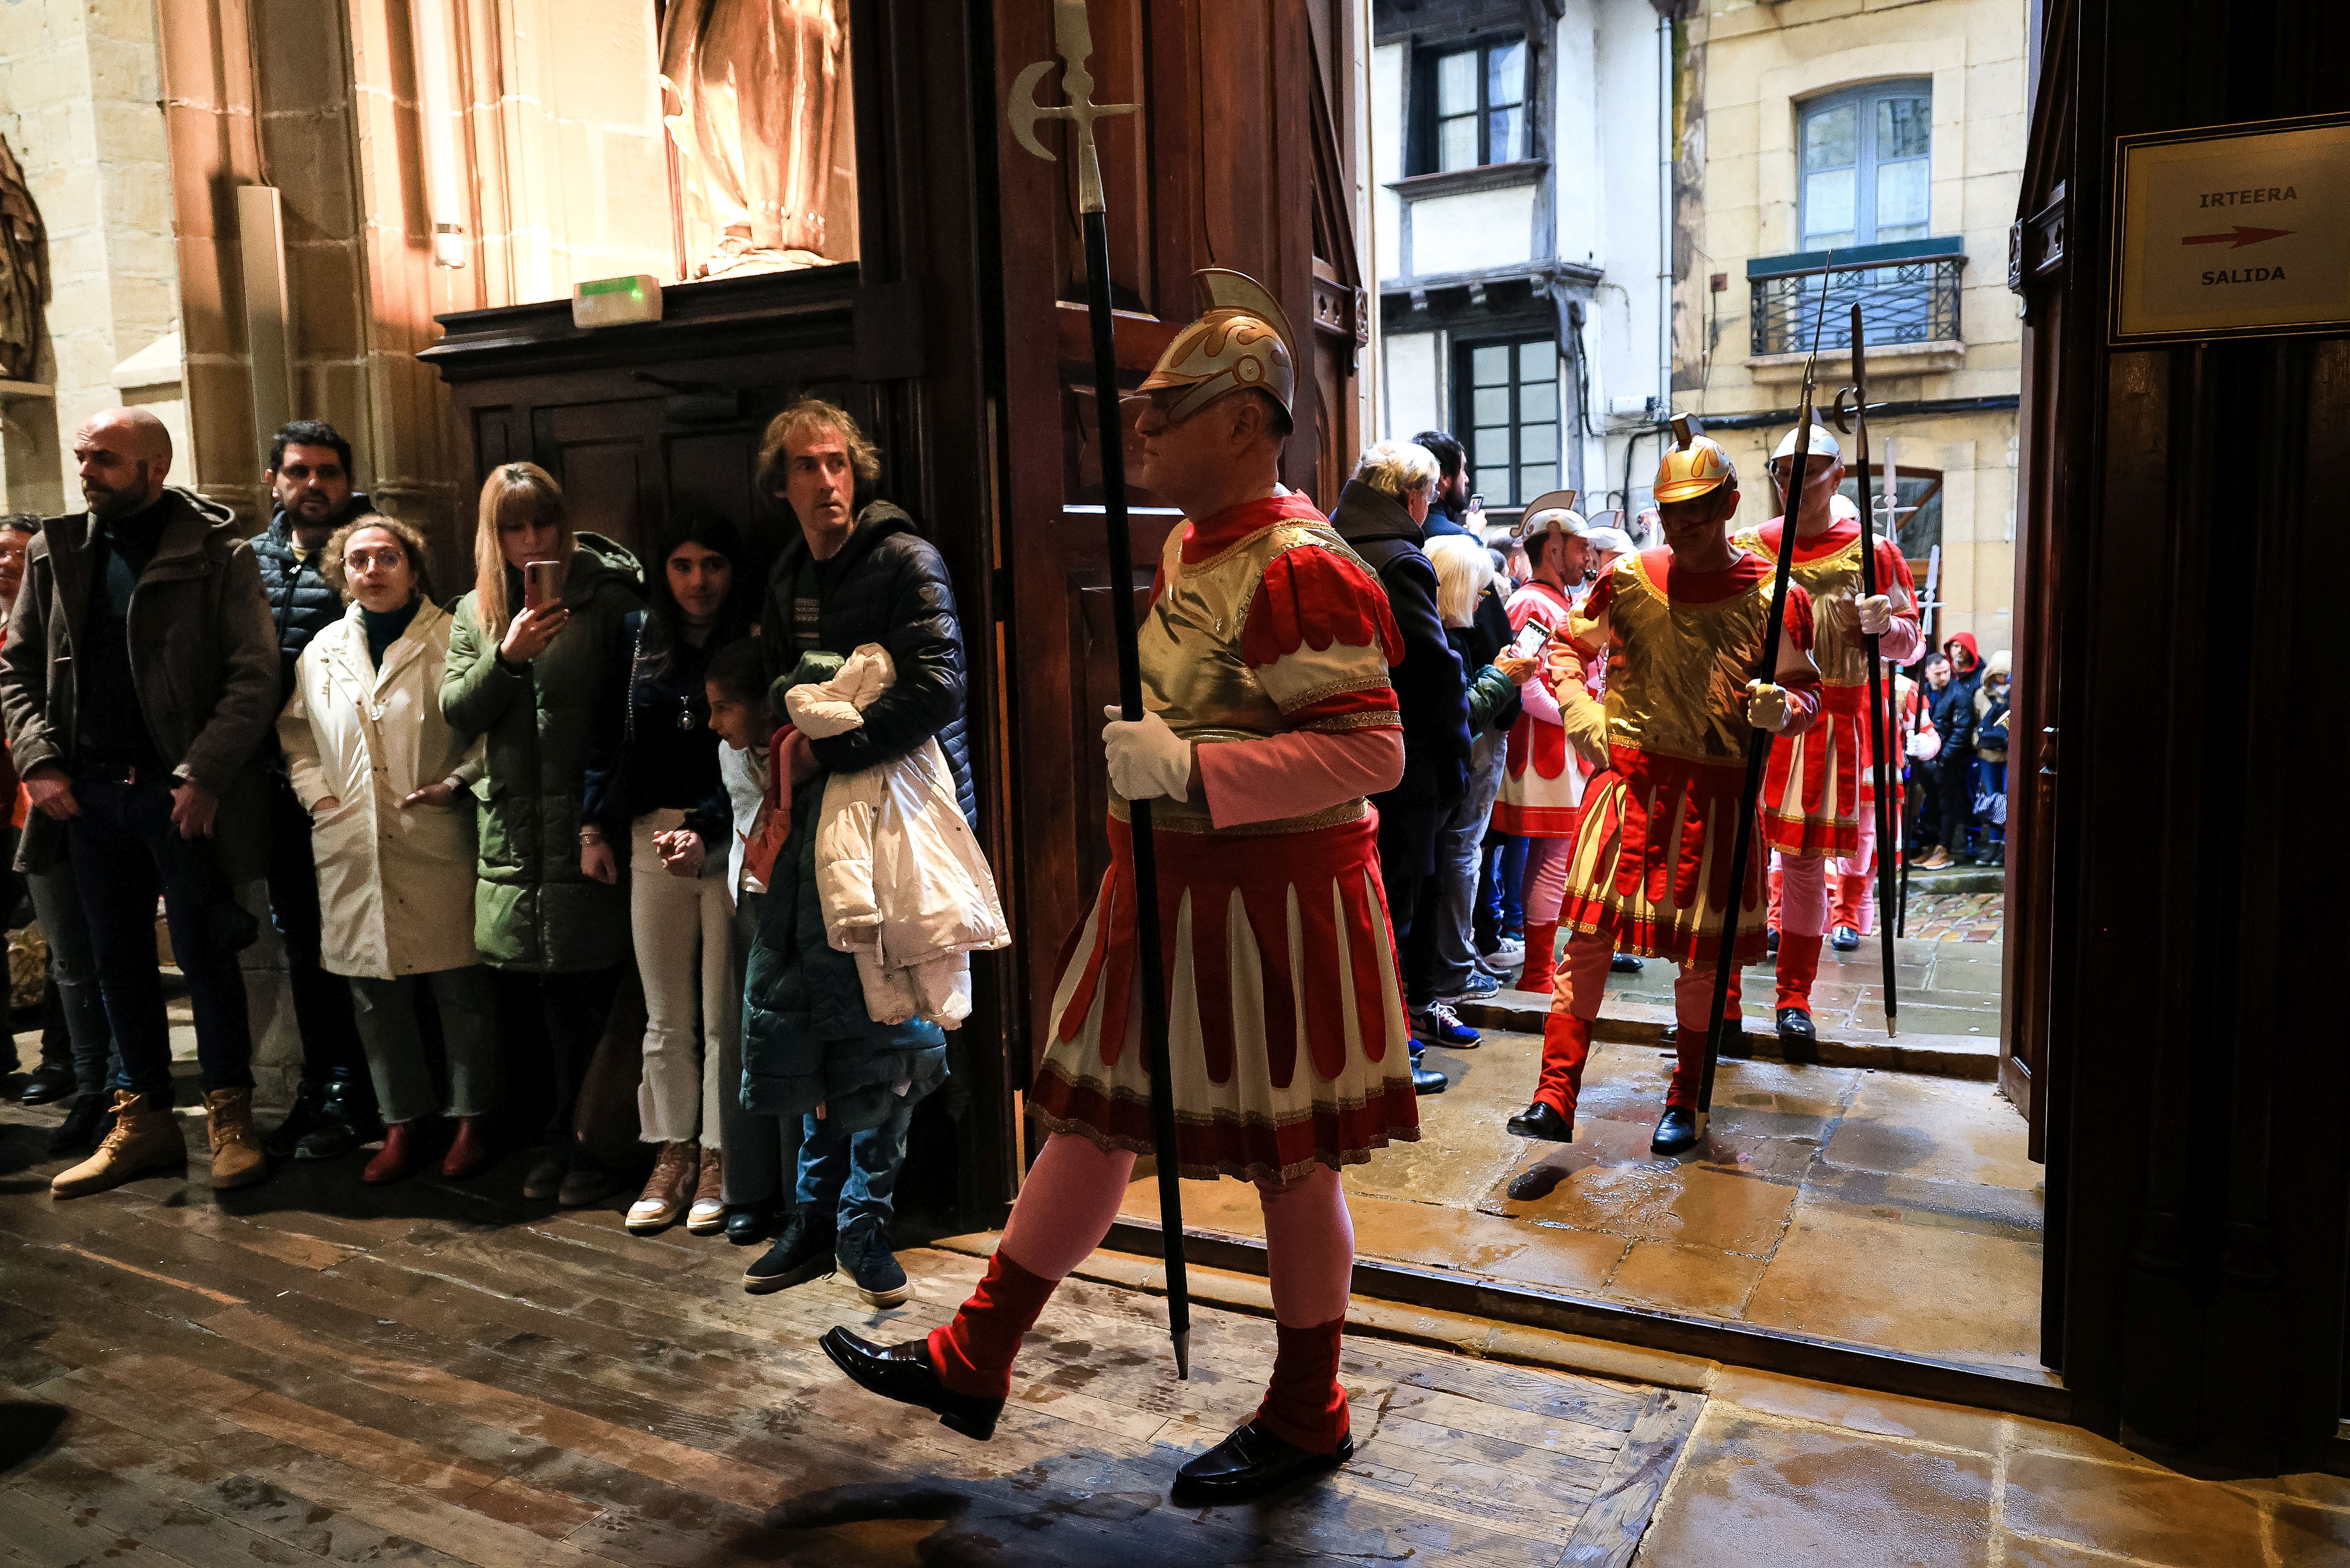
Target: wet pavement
1861, 1207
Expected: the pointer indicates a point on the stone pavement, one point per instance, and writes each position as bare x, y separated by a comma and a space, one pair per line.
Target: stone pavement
1874, 1209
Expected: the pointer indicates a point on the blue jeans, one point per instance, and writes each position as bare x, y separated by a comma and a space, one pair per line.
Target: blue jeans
126, 851
854, 1173
73, 973
1504, 884
1458, 851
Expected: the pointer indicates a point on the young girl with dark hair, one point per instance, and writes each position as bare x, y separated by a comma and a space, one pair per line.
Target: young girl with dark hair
662, 788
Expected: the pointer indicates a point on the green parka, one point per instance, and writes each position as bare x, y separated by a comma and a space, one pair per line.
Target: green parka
534, 910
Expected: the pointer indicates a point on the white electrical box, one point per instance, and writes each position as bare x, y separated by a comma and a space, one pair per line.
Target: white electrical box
617, 301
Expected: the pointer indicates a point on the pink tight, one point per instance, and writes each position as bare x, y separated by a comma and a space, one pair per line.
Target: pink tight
1074, 1190
1546, 883
1803, 895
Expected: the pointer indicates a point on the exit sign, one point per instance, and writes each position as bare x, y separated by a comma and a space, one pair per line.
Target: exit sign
2233, 231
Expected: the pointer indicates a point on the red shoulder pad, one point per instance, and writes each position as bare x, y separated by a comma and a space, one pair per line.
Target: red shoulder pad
1799, 616
1313, 597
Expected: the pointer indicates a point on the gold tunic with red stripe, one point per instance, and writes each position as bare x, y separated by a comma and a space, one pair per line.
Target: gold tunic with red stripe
1650, 865
1813, 788
1287, 1039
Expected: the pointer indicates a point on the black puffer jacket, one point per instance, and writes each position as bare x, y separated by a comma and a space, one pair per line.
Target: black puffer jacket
301, 601
1431, 690
888, 584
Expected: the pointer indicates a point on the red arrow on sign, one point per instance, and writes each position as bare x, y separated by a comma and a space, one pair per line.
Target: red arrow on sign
2237, 238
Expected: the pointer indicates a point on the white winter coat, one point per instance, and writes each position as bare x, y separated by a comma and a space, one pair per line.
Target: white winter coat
395, 887
899, 875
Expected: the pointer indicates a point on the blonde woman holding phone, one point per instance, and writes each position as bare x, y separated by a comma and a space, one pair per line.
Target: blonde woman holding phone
536, 648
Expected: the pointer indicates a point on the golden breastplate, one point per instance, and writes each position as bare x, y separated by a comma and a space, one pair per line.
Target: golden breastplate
1832, 581
1193, 674
1676, 677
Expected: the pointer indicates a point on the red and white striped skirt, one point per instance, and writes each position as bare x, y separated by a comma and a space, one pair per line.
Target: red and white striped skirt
1819, 816
1650, 865
1288, 1040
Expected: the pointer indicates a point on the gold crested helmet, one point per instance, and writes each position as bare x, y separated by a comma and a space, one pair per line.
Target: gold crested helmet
1693, 465
1241, 341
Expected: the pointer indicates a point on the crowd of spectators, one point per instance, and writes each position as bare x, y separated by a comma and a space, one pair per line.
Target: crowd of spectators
464, 815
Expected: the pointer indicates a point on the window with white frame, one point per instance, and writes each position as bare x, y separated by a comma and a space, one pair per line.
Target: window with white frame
1472, 103
1865, 156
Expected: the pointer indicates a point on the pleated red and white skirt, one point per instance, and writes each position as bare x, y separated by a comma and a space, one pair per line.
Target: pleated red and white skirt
1650, 865
1811, 786
1288, 1040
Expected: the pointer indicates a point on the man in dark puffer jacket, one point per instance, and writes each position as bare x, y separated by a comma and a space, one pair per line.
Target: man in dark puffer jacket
311, 481
849, 578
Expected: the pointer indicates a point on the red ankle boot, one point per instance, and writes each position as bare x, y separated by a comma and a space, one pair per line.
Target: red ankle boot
470, 1152
973, 1354
399, 1157
1303, 1405
1542, 959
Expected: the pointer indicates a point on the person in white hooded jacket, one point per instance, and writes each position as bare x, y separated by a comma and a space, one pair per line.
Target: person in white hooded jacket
383, 777
904, 887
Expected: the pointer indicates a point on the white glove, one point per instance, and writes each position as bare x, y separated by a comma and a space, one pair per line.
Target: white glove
1147, 759
1875, 615
1766, 706
1925, 744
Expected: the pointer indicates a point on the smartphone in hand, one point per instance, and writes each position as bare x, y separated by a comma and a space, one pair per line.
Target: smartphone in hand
541, 584
1530, 640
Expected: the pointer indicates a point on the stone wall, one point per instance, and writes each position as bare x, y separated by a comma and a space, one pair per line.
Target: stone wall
79, 103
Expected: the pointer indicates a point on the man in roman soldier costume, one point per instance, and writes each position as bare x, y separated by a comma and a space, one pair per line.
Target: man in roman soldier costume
1682, 629
1813, 791
1269, 717
1542, 783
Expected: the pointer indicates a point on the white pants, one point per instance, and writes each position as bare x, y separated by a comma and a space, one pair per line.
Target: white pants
692, 1004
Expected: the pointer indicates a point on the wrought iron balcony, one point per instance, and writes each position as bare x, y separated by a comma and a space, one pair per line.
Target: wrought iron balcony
1907, 292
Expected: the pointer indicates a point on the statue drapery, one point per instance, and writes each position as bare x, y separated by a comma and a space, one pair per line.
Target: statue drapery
754, 91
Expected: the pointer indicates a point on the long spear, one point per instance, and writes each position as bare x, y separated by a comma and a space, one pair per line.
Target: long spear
1880, 741
1758, 741
1072, 39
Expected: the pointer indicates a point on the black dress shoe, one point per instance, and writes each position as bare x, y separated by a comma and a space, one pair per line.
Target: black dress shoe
1427, 1080
1250, 1463
80, 1134
1771, 942
1628, 963
1676, 1131
1845, 940
904, 1372
748, 1224
50, 1082
1799, 1038
1539, 1120
346, 1119
300, 1121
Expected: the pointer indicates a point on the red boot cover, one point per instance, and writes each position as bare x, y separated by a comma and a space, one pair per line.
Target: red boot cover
1566, 1044
1799, 965
973, 1354
1778, 889
1303, 1404
1692, 994
1541, 958
1850, 891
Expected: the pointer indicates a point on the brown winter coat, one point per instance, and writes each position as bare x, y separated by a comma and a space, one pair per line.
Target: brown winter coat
203, 657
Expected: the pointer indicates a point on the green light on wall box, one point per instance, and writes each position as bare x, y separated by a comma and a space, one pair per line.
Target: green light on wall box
616, 301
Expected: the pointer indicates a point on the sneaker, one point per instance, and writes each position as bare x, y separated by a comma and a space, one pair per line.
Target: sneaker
667, 1190
865, 1256
803, 1252
708, 1215
1476, 987
1438, 1025
1936, 861
1509, 952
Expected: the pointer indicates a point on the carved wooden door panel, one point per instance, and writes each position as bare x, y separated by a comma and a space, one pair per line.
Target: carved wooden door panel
1231, 161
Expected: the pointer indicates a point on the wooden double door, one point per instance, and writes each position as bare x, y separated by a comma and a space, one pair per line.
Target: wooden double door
1236, 157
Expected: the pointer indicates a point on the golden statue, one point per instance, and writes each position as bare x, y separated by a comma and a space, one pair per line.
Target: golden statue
757, 94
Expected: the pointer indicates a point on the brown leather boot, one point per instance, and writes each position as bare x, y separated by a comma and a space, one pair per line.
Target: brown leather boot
145, 1138
237, 1160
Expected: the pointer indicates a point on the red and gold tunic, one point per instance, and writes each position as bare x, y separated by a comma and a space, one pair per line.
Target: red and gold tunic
1542, 782
1650, 865
1287, 1037
1820, 814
